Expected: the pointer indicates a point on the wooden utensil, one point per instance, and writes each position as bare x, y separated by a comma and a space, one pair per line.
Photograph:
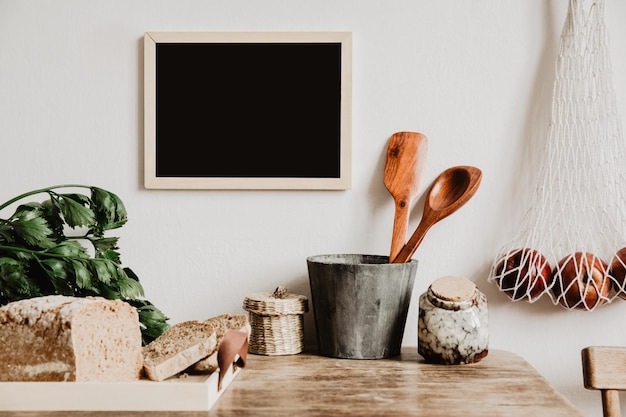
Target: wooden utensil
406, 158
452, 188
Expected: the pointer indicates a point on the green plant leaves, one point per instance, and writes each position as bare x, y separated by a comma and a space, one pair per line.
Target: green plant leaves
76, 211
153, 321
28, 226
38, 257
69, 248
33, 231
129, 288
109, 209
82, 273
14, 281
106, 247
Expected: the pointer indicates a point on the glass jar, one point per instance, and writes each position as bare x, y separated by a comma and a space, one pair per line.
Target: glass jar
453, 322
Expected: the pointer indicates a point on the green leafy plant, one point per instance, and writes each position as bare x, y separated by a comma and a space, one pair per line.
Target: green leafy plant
59, 246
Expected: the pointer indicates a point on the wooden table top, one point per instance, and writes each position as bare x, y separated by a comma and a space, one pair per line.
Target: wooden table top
502, 384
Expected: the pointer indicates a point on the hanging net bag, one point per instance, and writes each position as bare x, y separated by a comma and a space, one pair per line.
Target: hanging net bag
570, 244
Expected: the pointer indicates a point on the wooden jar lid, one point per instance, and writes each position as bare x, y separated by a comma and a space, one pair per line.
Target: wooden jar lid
454, 289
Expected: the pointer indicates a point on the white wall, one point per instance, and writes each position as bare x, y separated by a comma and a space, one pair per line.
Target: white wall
474, 76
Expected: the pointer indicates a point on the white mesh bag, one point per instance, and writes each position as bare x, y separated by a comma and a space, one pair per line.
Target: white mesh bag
569, 244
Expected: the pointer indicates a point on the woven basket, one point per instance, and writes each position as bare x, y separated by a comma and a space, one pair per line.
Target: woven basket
276, 320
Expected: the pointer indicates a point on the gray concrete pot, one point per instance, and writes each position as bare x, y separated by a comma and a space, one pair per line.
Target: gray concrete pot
360, 304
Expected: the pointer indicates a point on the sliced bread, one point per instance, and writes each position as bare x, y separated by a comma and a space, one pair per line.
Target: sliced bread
178, 348
222, 324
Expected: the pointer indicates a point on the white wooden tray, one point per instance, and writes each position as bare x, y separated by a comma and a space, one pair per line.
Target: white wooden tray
192, 393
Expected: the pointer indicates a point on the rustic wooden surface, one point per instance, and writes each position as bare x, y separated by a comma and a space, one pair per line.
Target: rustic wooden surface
502, 384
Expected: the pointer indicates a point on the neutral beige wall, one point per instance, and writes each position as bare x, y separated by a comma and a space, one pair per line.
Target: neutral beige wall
474, 76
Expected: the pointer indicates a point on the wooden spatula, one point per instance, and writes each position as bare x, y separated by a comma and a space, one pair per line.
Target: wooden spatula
406, 158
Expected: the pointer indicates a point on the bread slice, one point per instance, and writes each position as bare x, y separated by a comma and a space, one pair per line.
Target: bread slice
179, 347
62, 338
221, 324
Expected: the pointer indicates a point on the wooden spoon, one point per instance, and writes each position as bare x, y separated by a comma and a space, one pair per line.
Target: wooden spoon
406, 157
452, 188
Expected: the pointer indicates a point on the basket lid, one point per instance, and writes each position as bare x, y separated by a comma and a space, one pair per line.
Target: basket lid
277, 303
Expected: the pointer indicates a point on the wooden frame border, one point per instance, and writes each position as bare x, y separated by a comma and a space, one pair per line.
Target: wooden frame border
151, 181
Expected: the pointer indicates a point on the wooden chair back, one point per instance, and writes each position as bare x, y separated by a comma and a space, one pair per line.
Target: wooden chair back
604, 369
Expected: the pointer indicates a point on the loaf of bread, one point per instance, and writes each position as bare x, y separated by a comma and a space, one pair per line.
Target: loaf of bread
61, 338
178, 348
221, 324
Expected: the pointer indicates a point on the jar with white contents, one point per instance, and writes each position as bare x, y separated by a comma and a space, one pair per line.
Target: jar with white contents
453, 322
